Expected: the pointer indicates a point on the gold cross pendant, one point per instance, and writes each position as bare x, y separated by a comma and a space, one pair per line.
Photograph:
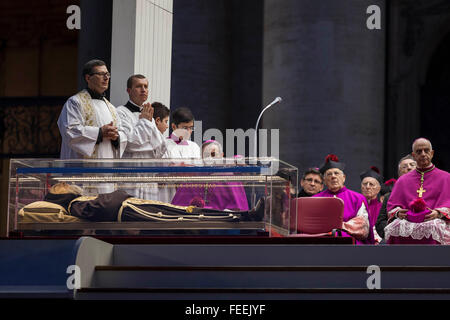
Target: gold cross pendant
421, 191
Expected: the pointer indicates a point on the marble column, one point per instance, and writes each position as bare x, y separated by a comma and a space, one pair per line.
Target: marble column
141, 44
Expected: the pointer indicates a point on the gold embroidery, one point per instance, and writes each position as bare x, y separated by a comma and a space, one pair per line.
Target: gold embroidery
88, 113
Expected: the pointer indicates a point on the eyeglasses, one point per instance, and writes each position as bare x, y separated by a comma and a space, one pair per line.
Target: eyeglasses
101, 74
192, 128
310, 180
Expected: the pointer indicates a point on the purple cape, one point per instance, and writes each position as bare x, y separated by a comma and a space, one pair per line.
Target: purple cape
220, 196
352, 203
437, 186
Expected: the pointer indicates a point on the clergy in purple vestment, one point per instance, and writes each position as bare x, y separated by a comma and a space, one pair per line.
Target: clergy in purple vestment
428, 185
215, 195
371, 181
356, 218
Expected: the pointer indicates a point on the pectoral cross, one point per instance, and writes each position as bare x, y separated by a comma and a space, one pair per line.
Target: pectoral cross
421, 191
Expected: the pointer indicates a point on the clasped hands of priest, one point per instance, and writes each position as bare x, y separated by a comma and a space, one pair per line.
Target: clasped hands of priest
110, 131
401, 214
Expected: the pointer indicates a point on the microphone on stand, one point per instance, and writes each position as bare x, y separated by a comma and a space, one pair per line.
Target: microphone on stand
277, 100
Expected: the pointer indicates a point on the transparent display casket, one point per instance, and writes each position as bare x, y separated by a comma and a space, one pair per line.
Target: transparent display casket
264, 185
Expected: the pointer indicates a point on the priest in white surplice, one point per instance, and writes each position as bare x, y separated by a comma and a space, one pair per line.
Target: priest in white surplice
144, 139
88, 123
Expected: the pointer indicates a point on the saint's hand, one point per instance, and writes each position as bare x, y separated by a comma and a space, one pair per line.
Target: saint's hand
109, 131
147, 112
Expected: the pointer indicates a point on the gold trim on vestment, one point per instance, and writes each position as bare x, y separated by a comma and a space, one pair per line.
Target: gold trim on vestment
88, 113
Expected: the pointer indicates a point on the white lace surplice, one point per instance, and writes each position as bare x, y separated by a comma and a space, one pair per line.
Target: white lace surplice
438, 229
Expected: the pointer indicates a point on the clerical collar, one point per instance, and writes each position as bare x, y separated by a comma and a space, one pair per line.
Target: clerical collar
339, 191
177, 140
132, 106
95, 95
421, 171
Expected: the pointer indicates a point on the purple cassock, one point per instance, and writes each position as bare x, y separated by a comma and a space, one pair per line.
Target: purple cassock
220, 196
374, 210
353, 201
435, 191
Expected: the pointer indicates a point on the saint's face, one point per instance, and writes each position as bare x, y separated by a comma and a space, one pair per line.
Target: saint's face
406, 166
312, 183
98, 80
370, 187
423, 154
334, 179
139, 91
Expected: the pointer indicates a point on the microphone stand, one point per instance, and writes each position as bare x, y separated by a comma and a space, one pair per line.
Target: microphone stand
255, 153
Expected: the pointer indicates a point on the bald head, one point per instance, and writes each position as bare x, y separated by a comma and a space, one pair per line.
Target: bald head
422, 141
422, 152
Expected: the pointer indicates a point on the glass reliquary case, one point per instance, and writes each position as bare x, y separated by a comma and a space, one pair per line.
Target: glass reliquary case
139, 197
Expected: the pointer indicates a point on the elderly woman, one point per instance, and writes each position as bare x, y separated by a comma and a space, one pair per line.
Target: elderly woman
356, 218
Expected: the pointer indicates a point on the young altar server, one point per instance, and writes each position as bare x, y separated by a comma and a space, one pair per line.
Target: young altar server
179, 145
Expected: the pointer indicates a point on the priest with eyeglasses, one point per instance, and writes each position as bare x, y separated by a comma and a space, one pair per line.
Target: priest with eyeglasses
88, 123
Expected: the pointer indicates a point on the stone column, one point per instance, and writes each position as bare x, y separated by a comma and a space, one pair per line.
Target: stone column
141, 44
329, 68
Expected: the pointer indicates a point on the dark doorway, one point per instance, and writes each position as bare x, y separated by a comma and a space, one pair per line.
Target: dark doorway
435, 104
